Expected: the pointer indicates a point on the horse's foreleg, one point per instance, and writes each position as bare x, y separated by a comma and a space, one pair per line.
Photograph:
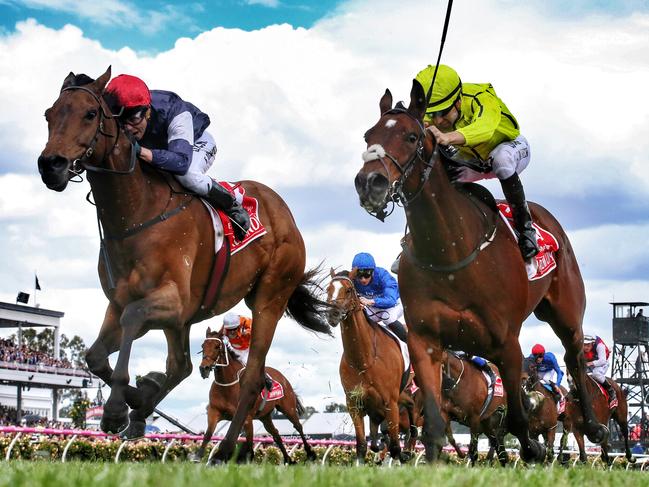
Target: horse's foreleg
358, 419
452, 442
579, 438
549, 442
107, 342
161, 307
374, 436
213, 418
392, 418
426, 359
518, 422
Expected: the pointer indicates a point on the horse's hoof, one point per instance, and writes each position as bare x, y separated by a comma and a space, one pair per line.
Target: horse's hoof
598, 433
534, 453
311, 456
134, 430
405, 456
414, 431
153, 380
195, 457
114, 421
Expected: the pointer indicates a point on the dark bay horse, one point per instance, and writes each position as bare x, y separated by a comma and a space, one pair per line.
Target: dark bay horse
461, 276
464, 394
371, 367
224, 397
543, 414
160, 246
573, 420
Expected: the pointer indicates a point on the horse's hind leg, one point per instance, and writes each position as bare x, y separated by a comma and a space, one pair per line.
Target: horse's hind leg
563, 309
620, 416
473, 448
270, 427
290, 411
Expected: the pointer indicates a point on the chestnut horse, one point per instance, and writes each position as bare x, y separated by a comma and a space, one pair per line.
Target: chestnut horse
573, 421
461, 276
160, 247
464, 395
224, 397
371, 367
543, 414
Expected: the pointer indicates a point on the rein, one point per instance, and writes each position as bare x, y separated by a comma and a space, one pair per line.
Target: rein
226, 364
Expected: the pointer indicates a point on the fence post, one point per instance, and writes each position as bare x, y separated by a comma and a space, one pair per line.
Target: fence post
324, 457
119, 450
421, 454
213, 451
67, 446
11, 445
169, 445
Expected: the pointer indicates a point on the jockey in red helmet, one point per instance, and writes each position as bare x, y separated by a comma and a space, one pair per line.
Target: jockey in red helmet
547, 367
171, 136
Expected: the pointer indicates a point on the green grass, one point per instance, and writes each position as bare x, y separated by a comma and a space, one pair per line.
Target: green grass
36, 474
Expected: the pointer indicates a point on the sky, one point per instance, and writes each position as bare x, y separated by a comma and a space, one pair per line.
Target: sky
290, 88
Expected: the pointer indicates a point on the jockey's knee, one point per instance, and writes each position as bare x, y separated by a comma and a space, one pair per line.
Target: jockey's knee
197, 182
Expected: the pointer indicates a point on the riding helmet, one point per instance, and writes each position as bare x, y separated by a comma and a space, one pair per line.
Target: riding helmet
363, 261
538, 349
129, 91
447, 89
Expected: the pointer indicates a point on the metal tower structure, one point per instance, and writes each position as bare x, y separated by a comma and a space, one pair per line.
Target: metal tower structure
631, 360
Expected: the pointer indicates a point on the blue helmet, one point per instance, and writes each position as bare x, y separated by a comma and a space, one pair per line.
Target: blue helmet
364, 261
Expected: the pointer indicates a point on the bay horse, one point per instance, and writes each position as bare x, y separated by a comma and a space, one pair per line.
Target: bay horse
224, 397
160, 246
573, 421
464, 395
461, 276
543, 414
371, 367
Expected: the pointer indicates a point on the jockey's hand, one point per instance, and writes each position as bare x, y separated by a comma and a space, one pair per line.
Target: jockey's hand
366, 301
145, 154
589, 364
448, 138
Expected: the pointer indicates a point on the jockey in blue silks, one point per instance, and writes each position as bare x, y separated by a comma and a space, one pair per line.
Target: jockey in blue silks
547, 367
379, 294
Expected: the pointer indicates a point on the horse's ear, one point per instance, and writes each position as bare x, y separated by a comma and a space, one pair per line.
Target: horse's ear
101, 82
68, 81
332, 273
386, 102
417, 106
352, 274
208, 331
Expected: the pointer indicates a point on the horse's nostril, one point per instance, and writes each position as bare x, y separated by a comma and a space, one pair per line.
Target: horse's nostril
377, 182
360, 181
52, 163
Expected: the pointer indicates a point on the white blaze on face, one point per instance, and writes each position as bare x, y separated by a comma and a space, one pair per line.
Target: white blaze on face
390, 123
338, 287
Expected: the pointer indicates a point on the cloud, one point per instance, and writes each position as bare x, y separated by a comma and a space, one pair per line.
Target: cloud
264, 3
289, 107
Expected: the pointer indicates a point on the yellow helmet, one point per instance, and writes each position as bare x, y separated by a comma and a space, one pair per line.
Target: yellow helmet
448, 87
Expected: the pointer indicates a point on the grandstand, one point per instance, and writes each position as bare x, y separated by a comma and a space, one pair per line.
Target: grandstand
30, 381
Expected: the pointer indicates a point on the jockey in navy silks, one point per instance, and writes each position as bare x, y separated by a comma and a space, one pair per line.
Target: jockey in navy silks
379, 294
171, 136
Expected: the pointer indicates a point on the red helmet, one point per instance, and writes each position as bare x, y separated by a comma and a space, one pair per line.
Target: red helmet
129, 91
538, 349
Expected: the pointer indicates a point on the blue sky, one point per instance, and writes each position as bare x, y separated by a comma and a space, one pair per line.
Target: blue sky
153, 26
290, 88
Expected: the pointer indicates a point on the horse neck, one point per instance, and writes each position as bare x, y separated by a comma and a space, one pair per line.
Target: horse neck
440, 218
124, 200
230, 372
358, 340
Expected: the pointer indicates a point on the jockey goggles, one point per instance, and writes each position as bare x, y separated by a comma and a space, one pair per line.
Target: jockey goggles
442, 113
134, 117
364, 273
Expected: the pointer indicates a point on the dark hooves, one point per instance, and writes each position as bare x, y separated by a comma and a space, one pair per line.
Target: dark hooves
114, 422
534, 453
153, 380
598, 433
134, 430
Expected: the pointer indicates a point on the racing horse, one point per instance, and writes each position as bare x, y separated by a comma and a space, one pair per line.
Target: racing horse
156, 258
462, 280
371, 367
543, 414
466, 399
573, 421
224, 394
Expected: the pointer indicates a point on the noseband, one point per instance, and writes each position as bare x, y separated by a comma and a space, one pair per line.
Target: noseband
82, 162
356, 301
396, 192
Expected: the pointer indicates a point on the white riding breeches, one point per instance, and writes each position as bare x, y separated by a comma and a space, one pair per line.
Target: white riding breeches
598, 373
506, 159
242, 354
385, 315
547, 377
195, 179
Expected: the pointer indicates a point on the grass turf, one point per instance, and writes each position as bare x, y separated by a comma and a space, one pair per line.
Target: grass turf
37, 474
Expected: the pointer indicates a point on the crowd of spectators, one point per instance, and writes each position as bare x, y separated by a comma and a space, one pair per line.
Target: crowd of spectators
12, 353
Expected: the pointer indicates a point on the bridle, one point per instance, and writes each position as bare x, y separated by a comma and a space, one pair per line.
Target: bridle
356, 302
81, 163
216, 364
395, 191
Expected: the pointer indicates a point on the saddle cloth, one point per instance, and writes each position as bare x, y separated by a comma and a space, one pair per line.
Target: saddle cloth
277, 392
544, 262
612, 404
497, 386
561, 404
223, 226
402, 346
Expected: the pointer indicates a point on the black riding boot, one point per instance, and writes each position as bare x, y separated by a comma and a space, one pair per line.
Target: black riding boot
221, 197
612, 396
268, 382
515, 195
399, 330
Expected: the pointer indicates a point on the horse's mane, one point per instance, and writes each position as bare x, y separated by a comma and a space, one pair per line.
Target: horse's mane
82, 79
342, 274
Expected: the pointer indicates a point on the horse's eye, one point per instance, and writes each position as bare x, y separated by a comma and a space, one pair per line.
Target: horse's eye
91, 114
412, 138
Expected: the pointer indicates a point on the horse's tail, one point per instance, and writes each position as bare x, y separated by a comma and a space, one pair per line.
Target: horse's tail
299, 407
305, 307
